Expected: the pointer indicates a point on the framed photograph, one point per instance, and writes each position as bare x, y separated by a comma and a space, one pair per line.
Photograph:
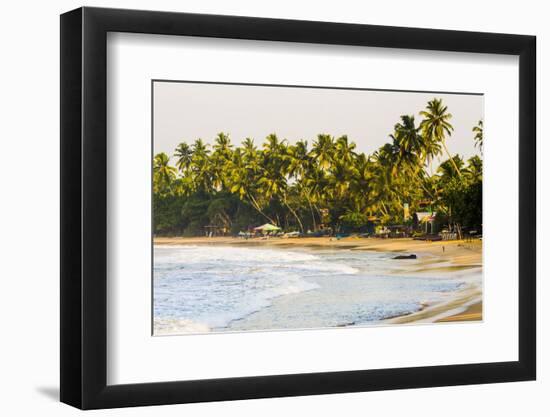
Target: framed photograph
256, 208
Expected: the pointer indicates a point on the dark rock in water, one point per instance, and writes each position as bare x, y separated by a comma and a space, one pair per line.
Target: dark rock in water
411, 256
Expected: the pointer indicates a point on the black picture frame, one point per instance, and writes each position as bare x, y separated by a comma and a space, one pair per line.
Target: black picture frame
84, 207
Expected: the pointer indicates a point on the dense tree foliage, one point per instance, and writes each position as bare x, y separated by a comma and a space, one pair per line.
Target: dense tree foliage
301, 186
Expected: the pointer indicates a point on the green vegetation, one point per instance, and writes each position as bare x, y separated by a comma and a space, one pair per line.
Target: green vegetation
301, 187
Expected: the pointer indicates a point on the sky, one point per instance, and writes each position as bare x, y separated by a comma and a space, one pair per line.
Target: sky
185, 111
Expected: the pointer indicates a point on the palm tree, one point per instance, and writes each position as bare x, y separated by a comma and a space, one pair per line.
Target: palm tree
184, 156
385, 175
339, 180
284, 162
272, 145
200, 149
314, 185
323, 151
411, 149
273, 182
200, 166
344, 151
432, 148
474, 170
448, 169
362, 182
249, 149
478, 138
435, 125
242, 177
300, 164
222, 145
163, 173
298, 159
409, 139
219, 159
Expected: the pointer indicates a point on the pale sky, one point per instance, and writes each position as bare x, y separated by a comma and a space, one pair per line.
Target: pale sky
186, 111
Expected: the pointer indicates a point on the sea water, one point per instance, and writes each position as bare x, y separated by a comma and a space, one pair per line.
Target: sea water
207, 288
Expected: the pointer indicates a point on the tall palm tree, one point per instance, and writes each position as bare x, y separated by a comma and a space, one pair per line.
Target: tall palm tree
251, 157
242, 176
222, 145
314, 185
362, 184
200, 149
249, 148
323, 151
163, 173
385, 176
344, 150
273, 181
435, 125
219, 160
200, 166
272, 145
411, 149
478, 137
184, 156
298, 159
409, 139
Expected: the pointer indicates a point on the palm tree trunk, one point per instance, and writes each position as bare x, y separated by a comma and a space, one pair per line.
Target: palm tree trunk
312, 215
422, 184
451, 159
294, 214
385, 211
256, 206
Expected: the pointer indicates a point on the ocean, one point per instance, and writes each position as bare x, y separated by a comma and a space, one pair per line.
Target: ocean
210, 288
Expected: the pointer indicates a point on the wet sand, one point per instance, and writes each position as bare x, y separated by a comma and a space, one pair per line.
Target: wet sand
472, 313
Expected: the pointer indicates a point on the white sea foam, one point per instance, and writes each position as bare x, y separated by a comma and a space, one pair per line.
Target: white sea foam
329, 267
216, 285
198, 254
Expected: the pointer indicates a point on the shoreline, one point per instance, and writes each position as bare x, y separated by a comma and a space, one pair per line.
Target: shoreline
459, 253
443, 257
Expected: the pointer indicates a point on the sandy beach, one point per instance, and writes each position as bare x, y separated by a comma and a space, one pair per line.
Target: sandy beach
445, 258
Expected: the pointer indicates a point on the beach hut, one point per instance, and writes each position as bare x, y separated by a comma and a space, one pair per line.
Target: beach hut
426, 221
267, 228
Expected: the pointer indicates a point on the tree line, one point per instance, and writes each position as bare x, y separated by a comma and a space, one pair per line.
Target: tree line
301, 187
